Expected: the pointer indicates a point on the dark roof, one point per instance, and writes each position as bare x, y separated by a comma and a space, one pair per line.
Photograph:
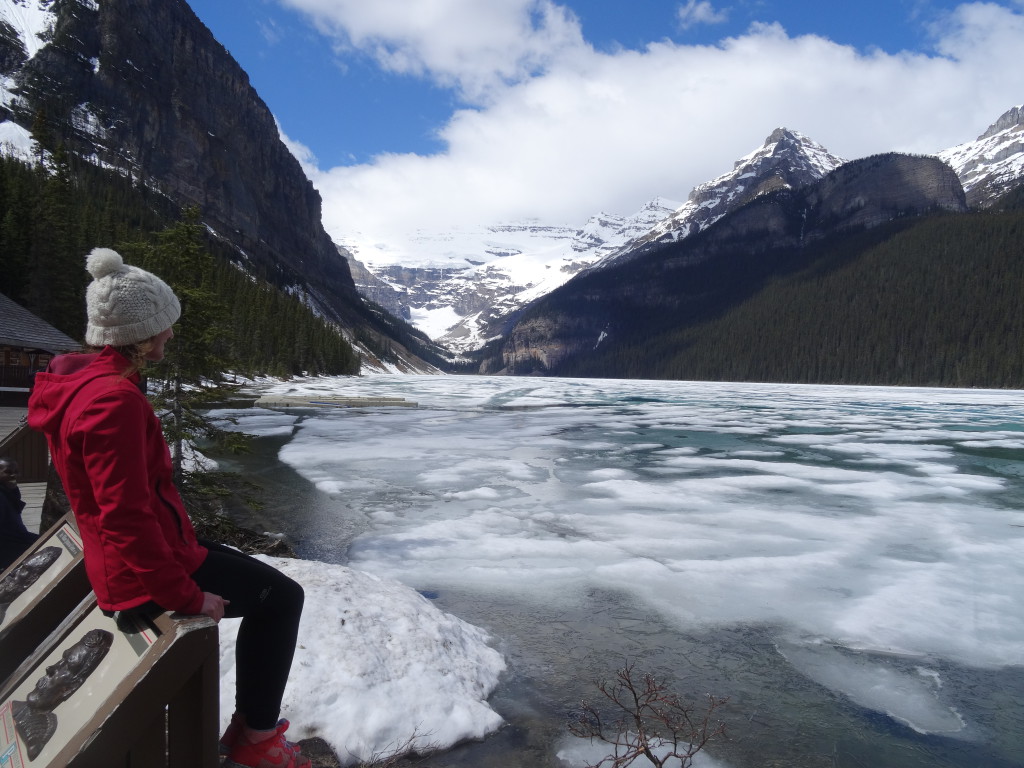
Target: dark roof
20, 328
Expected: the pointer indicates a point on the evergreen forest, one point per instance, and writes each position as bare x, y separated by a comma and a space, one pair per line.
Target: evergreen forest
52, 214
930, 301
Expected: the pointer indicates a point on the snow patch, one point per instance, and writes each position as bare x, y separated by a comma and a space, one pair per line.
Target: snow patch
32, 20
16, 142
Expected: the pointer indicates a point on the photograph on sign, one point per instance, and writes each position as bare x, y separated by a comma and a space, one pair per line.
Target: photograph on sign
25, 582
60, 696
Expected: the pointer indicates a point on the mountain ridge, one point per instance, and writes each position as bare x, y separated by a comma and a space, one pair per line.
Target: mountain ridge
697, 277
786, 160
987, 166
482, 299
992, 163
477, 284
169, 108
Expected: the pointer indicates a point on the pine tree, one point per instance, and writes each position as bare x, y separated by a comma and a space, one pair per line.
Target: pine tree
192, 370
56, 284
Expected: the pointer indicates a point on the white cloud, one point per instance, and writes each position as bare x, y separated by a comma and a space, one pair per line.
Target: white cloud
700, 12
560, 131
469, 45
977, 30
268, 29
307, 159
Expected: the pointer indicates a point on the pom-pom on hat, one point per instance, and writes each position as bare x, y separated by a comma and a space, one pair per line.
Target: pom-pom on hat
125, 304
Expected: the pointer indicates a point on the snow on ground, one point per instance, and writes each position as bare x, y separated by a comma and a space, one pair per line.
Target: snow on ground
434, 322
377, 665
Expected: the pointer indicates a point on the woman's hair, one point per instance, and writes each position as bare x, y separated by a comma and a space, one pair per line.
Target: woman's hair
135, 354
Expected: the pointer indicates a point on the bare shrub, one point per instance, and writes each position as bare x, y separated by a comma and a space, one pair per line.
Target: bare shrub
400, 754
649, 721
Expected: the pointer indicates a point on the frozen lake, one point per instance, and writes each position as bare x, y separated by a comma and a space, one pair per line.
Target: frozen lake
845, 563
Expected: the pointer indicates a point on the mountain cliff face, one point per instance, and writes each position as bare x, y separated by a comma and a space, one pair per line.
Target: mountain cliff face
672, 281
142, 87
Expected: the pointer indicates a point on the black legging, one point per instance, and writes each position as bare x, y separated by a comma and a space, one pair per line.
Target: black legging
269, 604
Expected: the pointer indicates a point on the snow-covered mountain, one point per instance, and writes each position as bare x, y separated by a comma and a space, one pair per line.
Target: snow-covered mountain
786, 160
475, 280
23, 26
992, 163
30, 21
464, 282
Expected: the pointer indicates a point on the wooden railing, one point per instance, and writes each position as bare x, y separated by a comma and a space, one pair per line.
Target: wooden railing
16, 376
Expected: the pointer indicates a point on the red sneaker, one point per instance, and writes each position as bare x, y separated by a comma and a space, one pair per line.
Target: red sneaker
235, 728
273, 752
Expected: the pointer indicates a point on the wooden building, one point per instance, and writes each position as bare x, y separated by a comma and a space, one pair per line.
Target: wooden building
27, 344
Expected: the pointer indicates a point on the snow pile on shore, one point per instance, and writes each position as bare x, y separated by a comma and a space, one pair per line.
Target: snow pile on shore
377, 666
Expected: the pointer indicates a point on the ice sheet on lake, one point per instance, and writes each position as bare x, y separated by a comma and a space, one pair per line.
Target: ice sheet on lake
883, 520
909, 696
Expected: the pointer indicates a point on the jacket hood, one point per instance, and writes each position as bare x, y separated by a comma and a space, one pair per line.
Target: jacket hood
55, 388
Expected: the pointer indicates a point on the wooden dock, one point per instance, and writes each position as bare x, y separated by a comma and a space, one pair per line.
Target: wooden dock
293, 401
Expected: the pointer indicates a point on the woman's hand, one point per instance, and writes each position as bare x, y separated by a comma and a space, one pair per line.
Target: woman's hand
213, 606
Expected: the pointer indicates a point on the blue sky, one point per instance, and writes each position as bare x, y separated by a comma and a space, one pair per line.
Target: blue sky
315, 91
504, 109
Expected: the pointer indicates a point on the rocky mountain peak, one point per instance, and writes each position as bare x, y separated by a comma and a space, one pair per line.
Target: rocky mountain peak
799, 159
786, 160
1012, 118
994, 162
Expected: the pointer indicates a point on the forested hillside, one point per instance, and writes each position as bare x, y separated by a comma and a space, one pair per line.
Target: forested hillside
933, 301
50, 221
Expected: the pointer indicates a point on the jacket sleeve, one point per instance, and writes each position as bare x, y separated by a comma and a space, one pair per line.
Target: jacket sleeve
114, 449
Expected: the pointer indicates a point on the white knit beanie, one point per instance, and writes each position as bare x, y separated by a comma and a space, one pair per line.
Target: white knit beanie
125, 304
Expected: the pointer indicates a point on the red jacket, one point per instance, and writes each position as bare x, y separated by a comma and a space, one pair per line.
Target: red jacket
107, 446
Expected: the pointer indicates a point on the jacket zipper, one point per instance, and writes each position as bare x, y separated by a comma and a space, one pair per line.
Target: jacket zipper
172, 508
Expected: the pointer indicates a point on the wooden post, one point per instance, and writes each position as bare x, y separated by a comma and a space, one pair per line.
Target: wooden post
193, 716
